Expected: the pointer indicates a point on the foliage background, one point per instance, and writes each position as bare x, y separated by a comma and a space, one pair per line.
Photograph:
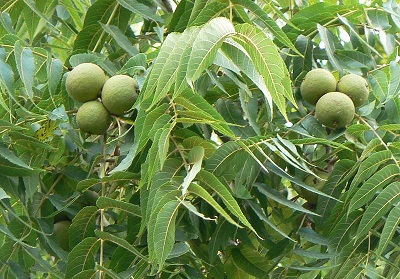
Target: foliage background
200, 179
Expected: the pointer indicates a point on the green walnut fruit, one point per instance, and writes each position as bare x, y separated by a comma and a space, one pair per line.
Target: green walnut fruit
354, 86
93, 118
313, 181
84, 82
335, 110
316, 83
119, 94
61, 232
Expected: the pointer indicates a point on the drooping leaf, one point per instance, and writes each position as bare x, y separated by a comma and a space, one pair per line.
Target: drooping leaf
202, 193
367, 167
120, 38
197, 107
212, 182
208, 41
82, 257
265, 19
379, 207
313, 237
164, 231
26, 66
210, 11
120, 242
391, 225
328, 38
196, 155
92, 36
271, 193
141, 9
105, 202
244, 264
352, 28
54, 74
241, 59
83, 225
258, 210
11, 165
373, 185
268, 63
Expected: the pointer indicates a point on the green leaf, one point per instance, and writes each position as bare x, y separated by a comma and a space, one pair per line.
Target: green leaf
261, 15
233, 51
75, 10
167, 48
328, 38
6, 78
164, 231
137, 62
160, 186
259, 211
120, 39
212, 182
3, 195
367, 167
379, 19
333, 187
394, 82
145, 120
202, 193
195, 157
273, 194
11, 165
388, 231
206, 45
83, 225
105, 202
169, 64
302, 64
210, 10
244, 264
355, 59
197, 107
157, 200
379, 207
116, 176
82, 257
308, 17
352, 28
268, 63
312, 140
127, 161
26, 66
54, 74
42, 263
374, 184
379, 84
141, 9
88, 274
181, 16
179, 249
312, 236
92, 36
348, 260
120, 242
313, 255
341, 228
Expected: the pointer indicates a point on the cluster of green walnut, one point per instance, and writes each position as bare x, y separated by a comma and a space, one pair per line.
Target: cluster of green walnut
101, 96
335, 102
